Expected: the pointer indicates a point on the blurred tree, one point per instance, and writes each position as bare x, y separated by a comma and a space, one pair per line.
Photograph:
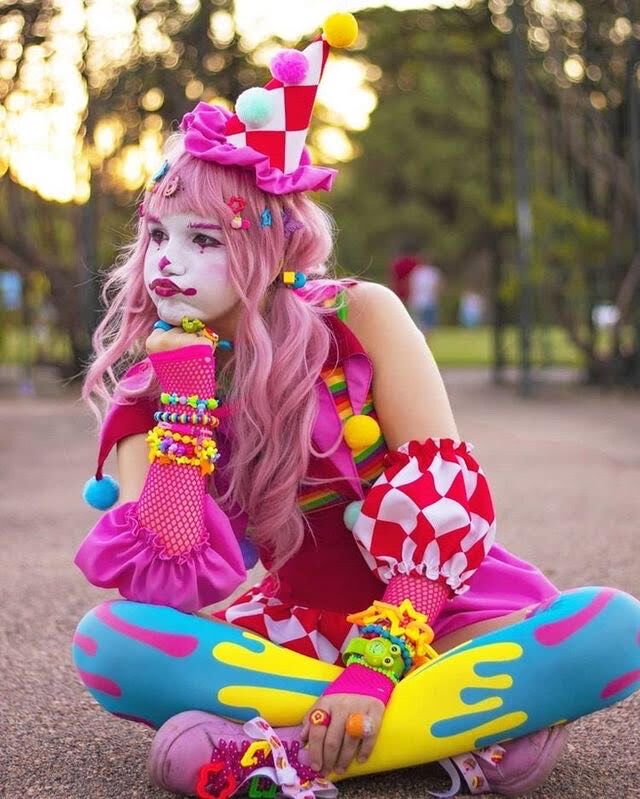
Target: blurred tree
585, 74
171, 54
436, 161
434, 166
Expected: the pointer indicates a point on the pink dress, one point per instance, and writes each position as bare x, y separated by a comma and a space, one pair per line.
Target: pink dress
328, 578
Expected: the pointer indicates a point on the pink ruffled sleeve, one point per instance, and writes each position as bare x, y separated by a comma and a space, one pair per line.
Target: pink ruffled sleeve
174, 546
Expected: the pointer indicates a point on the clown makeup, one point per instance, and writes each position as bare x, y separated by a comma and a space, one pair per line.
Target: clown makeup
186, 269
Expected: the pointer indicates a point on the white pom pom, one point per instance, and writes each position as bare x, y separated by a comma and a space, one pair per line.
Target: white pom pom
255, 107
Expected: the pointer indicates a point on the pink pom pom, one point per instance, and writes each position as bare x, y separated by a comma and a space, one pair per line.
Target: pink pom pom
290, 67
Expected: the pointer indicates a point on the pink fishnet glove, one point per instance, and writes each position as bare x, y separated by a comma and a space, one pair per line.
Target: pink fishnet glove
172, 499
426, 596
358, 679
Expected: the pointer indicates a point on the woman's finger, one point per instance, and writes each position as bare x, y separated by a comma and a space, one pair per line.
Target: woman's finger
376, 713
347, 752
368, 742
317, 733
333, 741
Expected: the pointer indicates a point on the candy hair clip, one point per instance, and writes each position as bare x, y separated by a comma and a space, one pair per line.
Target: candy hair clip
237, 205
289, 223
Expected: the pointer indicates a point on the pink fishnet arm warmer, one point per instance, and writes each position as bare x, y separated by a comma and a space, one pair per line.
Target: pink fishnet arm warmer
426, 596
358, 679
172, 499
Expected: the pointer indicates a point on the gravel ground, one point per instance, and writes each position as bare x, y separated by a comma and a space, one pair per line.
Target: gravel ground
564, 469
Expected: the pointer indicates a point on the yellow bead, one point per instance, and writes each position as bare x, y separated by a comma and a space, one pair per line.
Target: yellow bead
361, 431
340, 30
288, 277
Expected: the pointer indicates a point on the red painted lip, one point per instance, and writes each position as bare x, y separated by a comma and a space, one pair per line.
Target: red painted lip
165, 282
167, 288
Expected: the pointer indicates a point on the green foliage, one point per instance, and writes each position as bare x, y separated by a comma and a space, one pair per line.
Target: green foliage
566, 240
422, 175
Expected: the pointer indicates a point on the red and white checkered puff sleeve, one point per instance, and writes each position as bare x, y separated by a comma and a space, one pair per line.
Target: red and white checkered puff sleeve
429, 514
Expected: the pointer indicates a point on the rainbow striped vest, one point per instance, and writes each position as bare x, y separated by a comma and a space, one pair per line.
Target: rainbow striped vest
369, 460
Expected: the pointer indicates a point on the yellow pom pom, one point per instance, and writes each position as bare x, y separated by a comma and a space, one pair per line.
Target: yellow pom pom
340, 30
361, 431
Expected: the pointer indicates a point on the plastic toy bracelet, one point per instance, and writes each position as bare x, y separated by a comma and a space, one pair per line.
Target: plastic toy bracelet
406, 648
403, 621
167, 446
377, 653
353, 658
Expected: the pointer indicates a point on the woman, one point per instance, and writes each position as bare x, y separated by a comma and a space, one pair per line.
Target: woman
302, 420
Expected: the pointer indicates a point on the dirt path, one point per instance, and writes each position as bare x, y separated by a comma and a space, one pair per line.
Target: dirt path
565, 471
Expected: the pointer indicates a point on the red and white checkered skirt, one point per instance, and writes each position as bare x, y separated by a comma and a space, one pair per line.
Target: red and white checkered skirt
320, 634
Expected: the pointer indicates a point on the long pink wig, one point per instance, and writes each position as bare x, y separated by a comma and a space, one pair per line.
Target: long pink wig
278, 351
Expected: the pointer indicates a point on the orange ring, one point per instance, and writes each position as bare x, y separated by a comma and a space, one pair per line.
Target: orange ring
358, 725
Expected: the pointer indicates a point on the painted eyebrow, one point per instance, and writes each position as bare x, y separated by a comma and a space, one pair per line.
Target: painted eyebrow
192, 225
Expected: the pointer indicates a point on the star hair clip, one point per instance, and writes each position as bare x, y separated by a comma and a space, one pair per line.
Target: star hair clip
157, 177
237, 205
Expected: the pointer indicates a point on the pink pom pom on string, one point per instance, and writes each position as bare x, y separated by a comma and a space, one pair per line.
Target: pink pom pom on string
290, 67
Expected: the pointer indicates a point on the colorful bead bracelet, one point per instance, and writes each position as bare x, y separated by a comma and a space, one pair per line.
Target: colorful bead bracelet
186, 418
167, 446
200, 404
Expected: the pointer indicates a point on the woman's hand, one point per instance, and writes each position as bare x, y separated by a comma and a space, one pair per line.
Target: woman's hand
174, 339
332, 748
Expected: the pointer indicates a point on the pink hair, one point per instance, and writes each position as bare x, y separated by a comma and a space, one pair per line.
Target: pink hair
278, 353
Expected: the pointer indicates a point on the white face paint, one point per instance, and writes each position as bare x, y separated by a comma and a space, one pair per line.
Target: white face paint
188, 251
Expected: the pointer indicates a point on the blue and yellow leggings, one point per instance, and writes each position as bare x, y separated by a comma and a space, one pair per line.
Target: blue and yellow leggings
573, 655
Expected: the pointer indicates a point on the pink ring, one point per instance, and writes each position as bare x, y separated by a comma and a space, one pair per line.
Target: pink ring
320, 717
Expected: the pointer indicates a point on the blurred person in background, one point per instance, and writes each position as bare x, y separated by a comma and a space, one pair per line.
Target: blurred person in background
425, 284
471, 309
400, 271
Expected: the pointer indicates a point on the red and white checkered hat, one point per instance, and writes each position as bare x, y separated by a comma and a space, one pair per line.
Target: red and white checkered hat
282, 137
268, 131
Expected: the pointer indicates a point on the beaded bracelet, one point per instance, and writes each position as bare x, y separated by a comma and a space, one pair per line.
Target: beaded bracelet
200, 404
186, 418
167, 446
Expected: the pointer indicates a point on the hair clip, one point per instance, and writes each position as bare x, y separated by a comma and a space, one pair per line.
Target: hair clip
265, 218
237, 205
157, 177
290, 224
174, 184
294, 280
